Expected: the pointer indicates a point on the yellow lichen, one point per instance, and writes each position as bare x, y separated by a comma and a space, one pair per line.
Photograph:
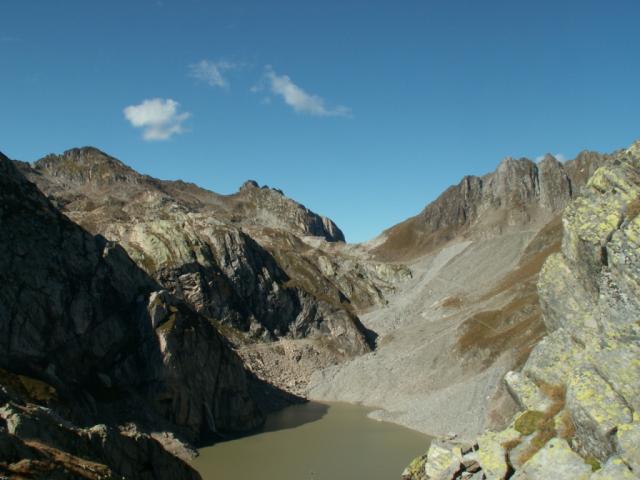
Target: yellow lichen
529, 421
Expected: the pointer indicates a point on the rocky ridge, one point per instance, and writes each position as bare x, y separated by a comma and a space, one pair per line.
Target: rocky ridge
518, 193
578, 390
97, 360
72, 176
262, 266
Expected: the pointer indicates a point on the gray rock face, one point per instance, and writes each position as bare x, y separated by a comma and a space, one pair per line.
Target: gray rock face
77, 313
268, 206
554, 184
518, 193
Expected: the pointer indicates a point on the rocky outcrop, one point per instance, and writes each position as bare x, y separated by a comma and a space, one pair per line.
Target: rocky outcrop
269, 207
259, 264
520, 192
206, 248
81, 318
580, 386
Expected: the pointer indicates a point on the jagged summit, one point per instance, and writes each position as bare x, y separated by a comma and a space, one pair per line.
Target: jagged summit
248, 185
549, 157
89, 180
519, 192
252, 186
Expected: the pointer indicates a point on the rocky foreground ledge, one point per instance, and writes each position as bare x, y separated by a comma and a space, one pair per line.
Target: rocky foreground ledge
579, 391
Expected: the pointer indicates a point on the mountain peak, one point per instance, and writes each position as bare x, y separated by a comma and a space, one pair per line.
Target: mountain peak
249, 185
252, 185
548, 157
87, 165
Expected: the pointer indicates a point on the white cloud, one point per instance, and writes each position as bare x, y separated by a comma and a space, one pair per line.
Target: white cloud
159, 118
558, 156
212, 72
298, 99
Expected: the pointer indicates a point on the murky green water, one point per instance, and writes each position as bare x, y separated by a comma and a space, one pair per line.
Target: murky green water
314, 441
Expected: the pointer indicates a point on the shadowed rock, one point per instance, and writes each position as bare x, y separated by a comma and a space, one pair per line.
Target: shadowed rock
79, 315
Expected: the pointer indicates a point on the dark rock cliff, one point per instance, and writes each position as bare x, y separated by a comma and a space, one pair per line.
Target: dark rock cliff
79, 316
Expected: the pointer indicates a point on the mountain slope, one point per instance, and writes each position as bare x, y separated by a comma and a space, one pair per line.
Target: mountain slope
92, 331
256, 262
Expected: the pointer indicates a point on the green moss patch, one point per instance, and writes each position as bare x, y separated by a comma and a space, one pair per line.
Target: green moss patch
593, 461
529, 422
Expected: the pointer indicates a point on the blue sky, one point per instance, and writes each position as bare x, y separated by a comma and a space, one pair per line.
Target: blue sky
362, 110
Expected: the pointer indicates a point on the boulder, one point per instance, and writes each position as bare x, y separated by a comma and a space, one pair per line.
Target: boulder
596, 410
555, 461
442, 463
614, 469
554, 358
526, 392
628, 444
619, 363
492, 453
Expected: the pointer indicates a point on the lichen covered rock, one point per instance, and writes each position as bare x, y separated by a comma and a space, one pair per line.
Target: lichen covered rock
442, 463
628, 444
526, 392
614, 469
597, 410
492, 453
555, 461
